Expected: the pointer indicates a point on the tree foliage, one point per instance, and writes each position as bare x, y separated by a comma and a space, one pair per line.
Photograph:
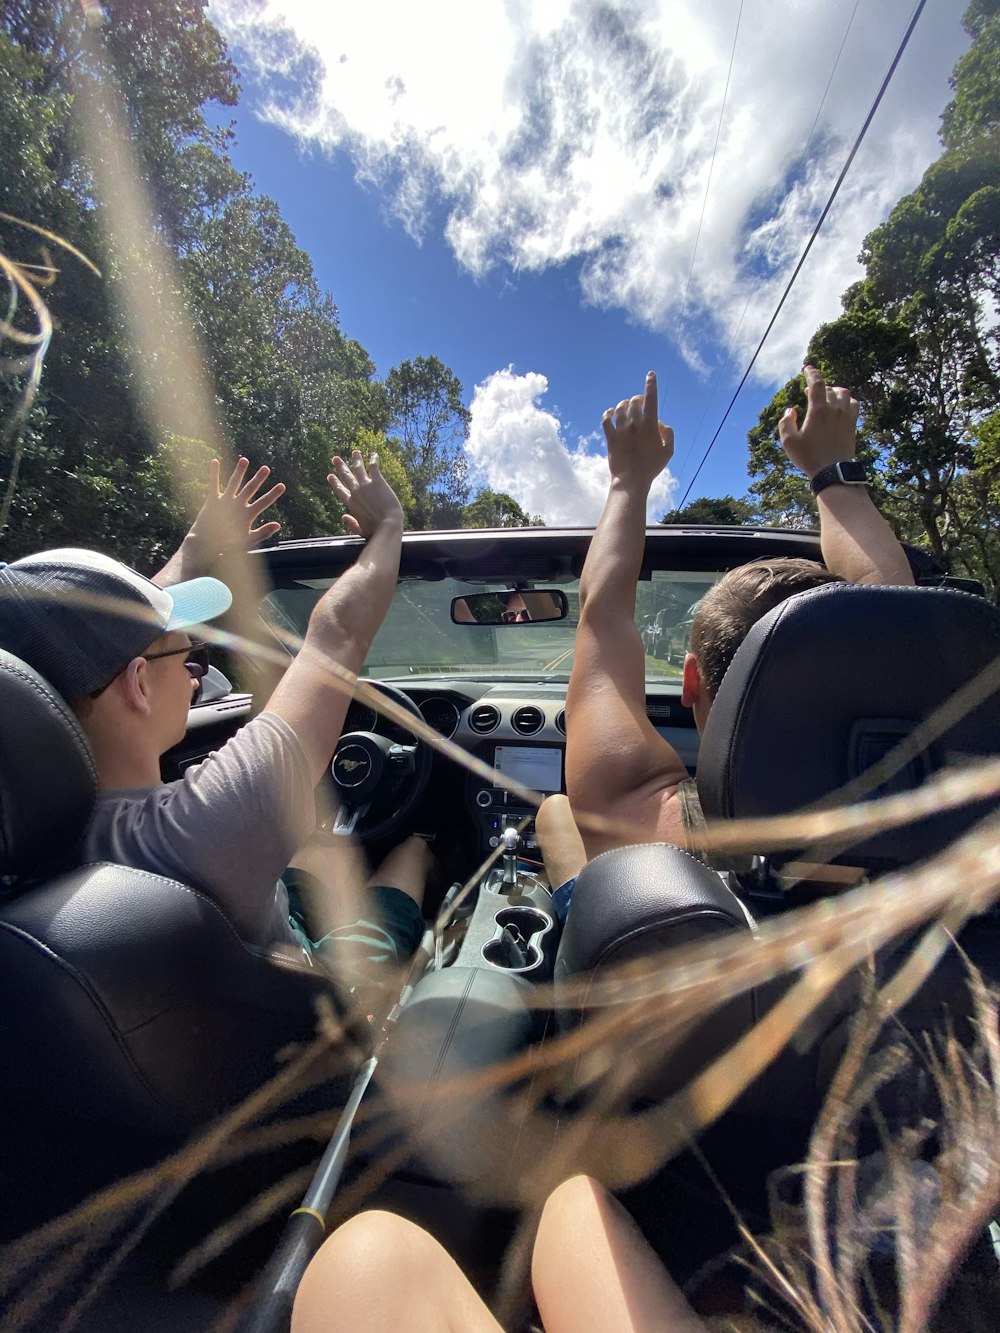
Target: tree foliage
428, 424
497, 509
723, 509
919, 344
291, 388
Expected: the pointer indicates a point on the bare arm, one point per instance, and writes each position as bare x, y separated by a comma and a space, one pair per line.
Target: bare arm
617, 765
225, 522
311, 696
858, 544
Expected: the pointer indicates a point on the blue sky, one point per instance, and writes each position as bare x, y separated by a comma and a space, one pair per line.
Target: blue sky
555, 196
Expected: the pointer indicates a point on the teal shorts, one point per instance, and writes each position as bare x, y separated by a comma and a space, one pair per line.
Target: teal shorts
390, 936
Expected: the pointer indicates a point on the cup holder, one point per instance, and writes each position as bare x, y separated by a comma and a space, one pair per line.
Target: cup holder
518, 943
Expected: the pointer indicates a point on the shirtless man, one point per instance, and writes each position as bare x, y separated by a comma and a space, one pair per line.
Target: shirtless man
618, 767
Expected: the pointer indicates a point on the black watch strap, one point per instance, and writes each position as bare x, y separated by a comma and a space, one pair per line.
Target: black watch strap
848, 473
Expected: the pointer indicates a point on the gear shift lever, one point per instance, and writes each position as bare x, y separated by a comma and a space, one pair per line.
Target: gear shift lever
510, 841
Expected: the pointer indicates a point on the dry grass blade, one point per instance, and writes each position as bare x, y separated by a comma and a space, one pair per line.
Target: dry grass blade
969, 1088
265, 1205
830, 1285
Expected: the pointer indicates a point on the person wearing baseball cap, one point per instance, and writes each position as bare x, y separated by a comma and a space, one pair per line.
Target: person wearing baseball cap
79, 617
124, 653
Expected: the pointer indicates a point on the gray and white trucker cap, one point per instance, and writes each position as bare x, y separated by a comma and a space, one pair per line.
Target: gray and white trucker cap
79, 617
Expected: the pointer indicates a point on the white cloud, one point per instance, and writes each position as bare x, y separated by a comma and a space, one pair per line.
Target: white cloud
556, 130
516, 446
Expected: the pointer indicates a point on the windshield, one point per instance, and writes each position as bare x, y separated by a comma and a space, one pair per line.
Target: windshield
418, 636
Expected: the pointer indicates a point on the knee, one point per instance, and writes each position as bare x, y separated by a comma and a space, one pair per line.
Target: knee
554, 812
570, 1207
348, 1274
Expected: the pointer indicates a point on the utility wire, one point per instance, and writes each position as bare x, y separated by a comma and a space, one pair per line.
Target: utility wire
708, 186
815, 232
767, 253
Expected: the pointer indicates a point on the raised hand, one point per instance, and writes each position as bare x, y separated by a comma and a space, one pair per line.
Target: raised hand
369, 499
639, 445
829, 432
224, 523
226, 520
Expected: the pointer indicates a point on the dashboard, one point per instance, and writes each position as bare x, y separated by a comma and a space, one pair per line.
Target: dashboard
518, 729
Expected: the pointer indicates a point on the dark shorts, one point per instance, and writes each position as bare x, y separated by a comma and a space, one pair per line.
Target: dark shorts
390, 935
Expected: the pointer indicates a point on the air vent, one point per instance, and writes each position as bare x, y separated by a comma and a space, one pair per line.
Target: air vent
484, 718
526, 721
561, 721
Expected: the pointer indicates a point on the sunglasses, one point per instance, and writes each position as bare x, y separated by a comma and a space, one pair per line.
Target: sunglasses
195, 661
515, 617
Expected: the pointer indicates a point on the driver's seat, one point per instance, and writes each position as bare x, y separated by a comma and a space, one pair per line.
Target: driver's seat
132, 1012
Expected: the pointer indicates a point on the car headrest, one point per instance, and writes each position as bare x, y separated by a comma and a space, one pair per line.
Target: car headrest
633, 905
637, 900
48, 782
827, 685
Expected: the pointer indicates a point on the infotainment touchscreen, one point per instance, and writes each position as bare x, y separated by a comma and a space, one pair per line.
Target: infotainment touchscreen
535, 766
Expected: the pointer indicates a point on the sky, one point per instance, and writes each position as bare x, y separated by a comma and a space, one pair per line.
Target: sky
554, 196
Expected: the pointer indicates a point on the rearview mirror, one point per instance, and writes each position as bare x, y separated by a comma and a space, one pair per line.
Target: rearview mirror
531, 606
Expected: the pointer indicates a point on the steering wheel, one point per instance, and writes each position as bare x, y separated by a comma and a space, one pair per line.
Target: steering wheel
378, 781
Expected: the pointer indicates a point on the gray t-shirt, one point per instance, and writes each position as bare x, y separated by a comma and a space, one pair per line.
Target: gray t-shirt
229, 827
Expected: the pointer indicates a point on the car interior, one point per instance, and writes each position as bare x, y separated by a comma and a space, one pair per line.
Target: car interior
160, 1025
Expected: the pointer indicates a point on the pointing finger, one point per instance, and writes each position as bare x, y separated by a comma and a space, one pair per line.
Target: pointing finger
650, 410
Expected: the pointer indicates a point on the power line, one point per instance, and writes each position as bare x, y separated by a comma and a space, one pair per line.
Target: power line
815, 232
708, 186
689, 450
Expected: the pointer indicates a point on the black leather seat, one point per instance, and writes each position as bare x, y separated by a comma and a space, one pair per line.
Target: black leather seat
635, 904
824, 687
828, 684
132, 1012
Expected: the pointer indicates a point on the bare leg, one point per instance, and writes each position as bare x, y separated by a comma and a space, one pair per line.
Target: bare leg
406, 867
336, 896
559, 840
379, 1273
593, 1272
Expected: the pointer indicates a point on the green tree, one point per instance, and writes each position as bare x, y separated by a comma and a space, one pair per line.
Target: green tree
918, 341
428, 424
724, 509
497, 509
975, 80
291, 388
392, 467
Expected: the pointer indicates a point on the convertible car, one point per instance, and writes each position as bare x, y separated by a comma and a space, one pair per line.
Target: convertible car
170, 1074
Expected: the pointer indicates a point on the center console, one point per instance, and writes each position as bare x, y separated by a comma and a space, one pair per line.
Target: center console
512, 927
494, 807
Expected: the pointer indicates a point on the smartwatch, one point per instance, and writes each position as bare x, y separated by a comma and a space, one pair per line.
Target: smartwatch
848, 473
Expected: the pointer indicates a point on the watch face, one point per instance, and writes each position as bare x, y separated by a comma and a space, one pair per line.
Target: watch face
852, 471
